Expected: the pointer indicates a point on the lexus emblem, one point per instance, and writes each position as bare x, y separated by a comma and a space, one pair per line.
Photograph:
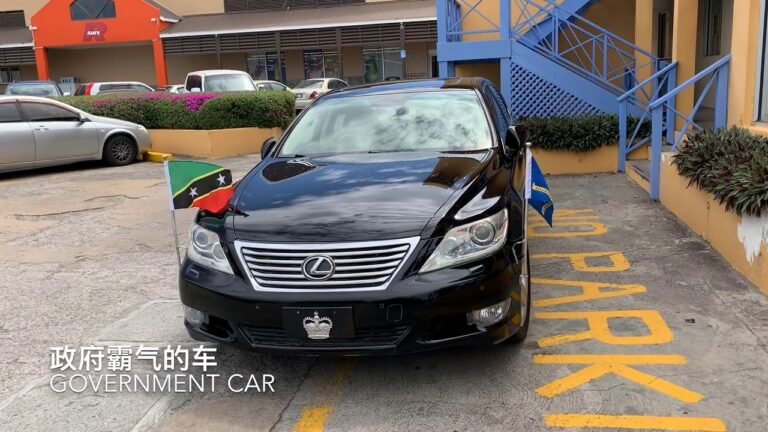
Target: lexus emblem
318, 267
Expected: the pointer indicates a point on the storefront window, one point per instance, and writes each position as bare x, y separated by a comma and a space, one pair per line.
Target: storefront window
10, 74
266, 66
92, 9
321, 64
382, 64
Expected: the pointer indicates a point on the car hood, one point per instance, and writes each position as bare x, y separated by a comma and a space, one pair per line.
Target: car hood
350, 197
113, 122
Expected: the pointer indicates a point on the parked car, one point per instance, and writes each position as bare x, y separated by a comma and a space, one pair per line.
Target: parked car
37, 132
269, 85
218, 81
176, 88
34, 88
310, 89
388, 219
94, 88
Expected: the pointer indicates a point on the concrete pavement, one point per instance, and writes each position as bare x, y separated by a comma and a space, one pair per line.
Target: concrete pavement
637, 325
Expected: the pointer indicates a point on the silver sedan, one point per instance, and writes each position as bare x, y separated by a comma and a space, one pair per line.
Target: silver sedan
37, 132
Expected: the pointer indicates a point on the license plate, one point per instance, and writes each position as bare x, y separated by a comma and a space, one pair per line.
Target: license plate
299, 95
318, 323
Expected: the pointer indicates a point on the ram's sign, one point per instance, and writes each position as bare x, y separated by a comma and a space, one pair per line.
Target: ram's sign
94, 32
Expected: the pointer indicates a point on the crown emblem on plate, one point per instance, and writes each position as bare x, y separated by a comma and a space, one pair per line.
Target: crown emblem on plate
318, 328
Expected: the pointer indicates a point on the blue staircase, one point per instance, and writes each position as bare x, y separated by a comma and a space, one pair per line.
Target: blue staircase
552, 60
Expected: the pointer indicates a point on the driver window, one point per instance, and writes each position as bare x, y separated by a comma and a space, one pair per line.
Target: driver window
46, 112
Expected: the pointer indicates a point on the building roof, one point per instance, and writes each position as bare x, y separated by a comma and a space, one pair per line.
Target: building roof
351, 15
165, 13
15, 37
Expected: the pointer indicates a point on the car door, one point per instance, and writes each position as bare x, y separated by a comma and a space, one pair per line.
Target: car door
60, 133
17, 142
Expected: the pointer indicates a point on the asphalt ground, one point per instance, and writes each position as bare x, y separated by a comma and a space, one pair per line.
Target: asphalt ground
638, 325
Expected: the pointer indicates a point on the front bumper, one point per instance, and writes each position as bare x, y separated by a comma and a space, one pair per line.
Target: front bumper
415, 313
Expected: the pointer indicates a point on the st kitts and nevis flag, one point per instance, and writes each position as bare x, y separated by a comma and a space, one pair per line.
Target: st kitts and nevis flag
536, 189
199, 184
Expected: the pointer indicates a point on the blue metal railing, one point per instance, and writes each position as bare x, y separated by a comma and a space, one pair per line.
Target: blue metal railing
650, 90
716, 75
581, 45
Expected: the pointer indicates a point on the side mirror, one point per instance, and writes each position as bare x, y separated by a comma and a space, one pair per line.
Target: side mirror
261, 87
517, 136
83, 119
196, 90
267, 147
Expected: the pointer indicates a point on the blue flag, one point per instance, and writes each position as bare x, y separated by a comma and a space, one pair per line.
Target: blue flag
537, 191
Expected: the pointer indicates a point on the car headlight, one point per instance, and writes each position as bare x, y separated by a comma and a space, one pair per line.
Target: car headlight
469, 242
205, 249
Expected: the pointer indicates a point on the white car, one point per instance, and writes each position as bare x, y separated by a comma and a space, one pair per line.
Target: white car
269, 85
310, 89
175, 89
38, 132
94, 88
220, 80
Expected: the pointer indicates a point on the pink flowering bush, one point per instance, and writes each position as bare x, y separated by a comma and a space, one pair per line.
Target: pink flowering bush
193, 110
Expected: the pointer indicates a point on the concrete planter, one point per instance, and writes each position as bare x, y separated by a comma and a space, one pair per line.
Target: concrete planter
211, 143
557, 162
742, 241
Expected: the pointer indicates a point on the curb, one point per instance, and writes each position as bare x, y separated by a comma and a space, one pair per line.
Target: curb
157, 157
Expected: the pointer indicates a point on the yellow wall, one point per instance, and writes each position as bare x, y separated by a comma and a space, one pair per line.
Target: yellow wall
30, 7
129, 63
294, 65
485, 70
745, 43
193, 7
418, 61
180, 7
352, 63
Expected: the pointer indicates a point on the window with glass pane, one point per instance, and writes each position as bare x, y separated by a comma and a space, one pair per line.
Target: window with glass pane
92, 9
321, 64
10, 74
762, 79
267, 66
713, 23
382, 64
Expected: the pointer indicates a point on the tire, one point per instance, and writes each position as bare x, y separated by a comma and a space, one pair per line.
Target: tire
120, 150
525, 293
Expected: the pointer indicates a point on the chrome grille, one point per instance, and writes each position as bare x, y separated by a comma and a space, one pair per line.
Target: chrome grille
359, 266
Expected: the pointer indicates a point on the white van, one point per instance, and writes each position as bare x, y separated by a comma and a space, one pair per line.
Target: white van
218, 81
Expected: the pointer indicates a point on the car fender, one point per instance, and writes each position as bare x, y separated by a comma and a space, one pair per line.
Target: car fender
118, 131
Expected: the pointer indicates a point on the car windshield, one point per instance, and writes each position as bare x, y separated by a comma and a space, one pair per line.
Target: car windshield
229, 83
310, 84
446, 121
42, 90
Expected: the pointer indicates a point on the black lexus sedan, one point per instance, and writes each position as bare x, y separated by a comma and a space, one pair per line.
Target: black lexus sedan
389, 218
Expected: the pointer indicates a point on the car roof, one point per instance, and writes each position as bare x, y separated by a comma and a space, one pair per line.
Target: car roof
21, 98
436, 84
34, 82
218, 72
113, 82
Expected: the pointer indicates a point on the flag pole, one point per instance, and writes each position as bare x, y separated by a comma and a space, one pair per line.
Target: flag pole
173, 209
528, 189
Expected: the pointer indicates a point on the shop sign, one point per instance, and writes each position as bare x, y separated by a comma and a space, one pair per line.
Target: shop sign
94, 32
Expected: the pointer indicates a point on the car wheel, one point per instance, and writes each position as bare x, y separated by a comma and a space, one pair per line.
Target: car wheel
119, 150
525, 301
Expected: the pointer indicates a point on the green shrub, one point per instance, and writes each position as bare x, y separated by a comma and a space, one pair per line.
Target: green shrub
731, 164
578, 134
270, 109
193, 111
